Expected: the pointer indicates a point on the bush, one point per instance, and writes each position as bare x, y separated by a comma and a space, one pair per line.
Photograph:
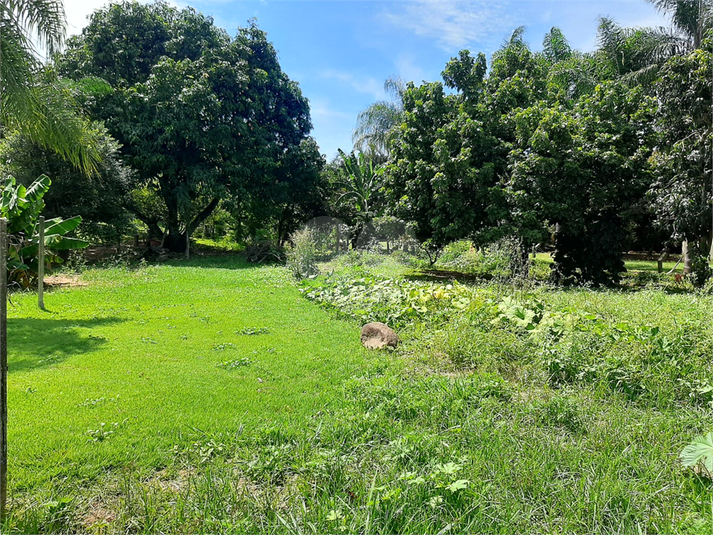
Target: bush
454, 251
503, 259
302, 257
264, 252
700, 268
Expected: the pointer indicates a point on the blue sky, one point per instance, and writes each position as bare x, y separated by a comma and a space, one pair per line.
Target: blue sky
341, 51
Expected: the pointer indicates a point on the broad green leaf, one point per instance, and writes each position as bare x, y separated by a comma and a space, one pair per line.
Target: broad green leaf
699, 450
38, 188
66, 244
60, 226
458, 485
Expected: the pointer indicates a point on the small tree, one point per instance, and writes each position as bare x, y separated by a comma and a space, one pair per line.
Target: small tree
22, 206
359, 185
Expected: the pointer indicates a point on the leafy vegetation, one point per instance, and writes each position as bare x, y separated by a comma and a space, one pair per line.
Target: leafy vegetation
21, 207
584, 153
203, 119
500, 400
210, 396
73, 191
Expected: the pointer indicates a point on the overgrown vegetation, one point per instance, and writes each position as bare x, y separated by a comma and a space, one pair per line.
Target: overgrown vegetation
228, 395
515, 407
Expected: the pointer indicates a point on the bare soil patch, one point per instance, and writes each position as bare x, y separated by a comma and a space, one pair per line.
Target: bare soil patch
64, 281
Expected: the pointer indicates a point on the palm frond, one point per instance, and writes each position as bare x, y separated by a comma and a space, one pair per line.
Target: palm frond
631, 50
516, 38
555, 46
46, 114
395, 87
692, 18
375, 124
42, 21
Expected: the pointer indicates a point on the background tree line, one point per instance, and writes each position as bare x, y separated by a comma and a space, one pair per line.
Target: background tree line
173, 126
592, 152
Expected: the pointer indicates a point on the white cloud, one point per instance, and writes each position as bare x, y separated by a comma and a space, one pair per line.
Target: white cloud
361, 84
453, 24
409, 70
321, 108
78, 11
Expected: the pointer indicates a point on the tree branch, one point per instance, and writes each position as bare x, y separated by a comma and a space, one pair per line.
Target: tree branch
202, 216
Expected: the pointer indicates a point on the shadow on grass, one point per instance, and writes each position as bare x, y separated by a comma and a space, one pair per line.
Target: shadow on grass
441, 275
232, 261
39, 343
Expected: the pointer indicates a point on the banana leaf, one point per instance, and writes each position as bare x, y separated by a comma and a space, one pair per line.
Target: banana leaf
61, 226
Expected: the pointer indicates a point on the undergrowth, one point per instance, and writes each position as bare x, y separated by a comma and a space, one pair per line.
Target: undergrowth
518, 409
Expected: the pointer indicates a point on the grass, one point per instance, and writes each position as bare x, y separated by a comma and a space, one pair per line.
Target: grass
117, 373
231, 403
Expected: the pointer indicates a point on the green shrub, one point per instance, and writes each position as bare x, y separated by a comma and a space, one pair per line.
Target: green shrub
302, 257
503, 259
700, 268
455, 250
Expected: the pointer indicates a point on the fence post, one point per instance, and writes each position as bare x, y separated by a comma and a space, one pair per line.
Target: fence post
41, 266
188, 244
3, 367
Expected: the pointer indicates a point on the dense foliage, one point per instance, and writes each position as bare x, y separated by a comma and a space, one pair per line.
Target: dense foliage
202, 117
589, 154
73, 191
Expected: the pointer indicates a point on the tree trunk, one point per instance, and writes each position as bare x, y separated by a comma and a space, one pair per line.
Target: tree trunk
686, 257
176, 239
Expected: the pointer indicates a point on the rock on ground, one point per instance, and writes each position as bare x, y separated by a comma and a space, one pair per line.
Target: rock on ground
378, 335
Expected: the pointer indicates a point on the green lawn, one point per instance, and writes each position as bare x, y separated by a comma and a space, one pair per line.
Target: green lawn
213, 397
117, 373
632, 265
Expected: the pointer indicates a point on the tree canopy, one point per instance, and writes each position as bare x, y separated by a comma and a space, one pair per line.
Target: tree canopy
577, 150
201, 117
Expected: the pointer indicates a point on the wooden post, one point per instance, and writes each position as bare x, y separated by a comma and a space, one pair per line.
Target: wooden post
685, 253
3, 367
661, 260
41, 266
188, 244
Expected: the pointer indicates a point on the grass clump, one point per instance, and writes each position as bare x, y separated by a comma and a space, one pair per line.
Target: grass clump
302, 257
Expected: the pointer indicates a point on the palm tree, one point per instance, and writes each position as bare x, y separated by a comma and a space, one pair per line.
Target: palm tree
691, 18
32, 101
375, 124
636, 54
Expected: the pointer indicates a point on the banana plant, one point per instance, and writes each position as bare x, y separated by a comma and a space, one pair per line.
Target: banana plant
22, 207
361, 184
